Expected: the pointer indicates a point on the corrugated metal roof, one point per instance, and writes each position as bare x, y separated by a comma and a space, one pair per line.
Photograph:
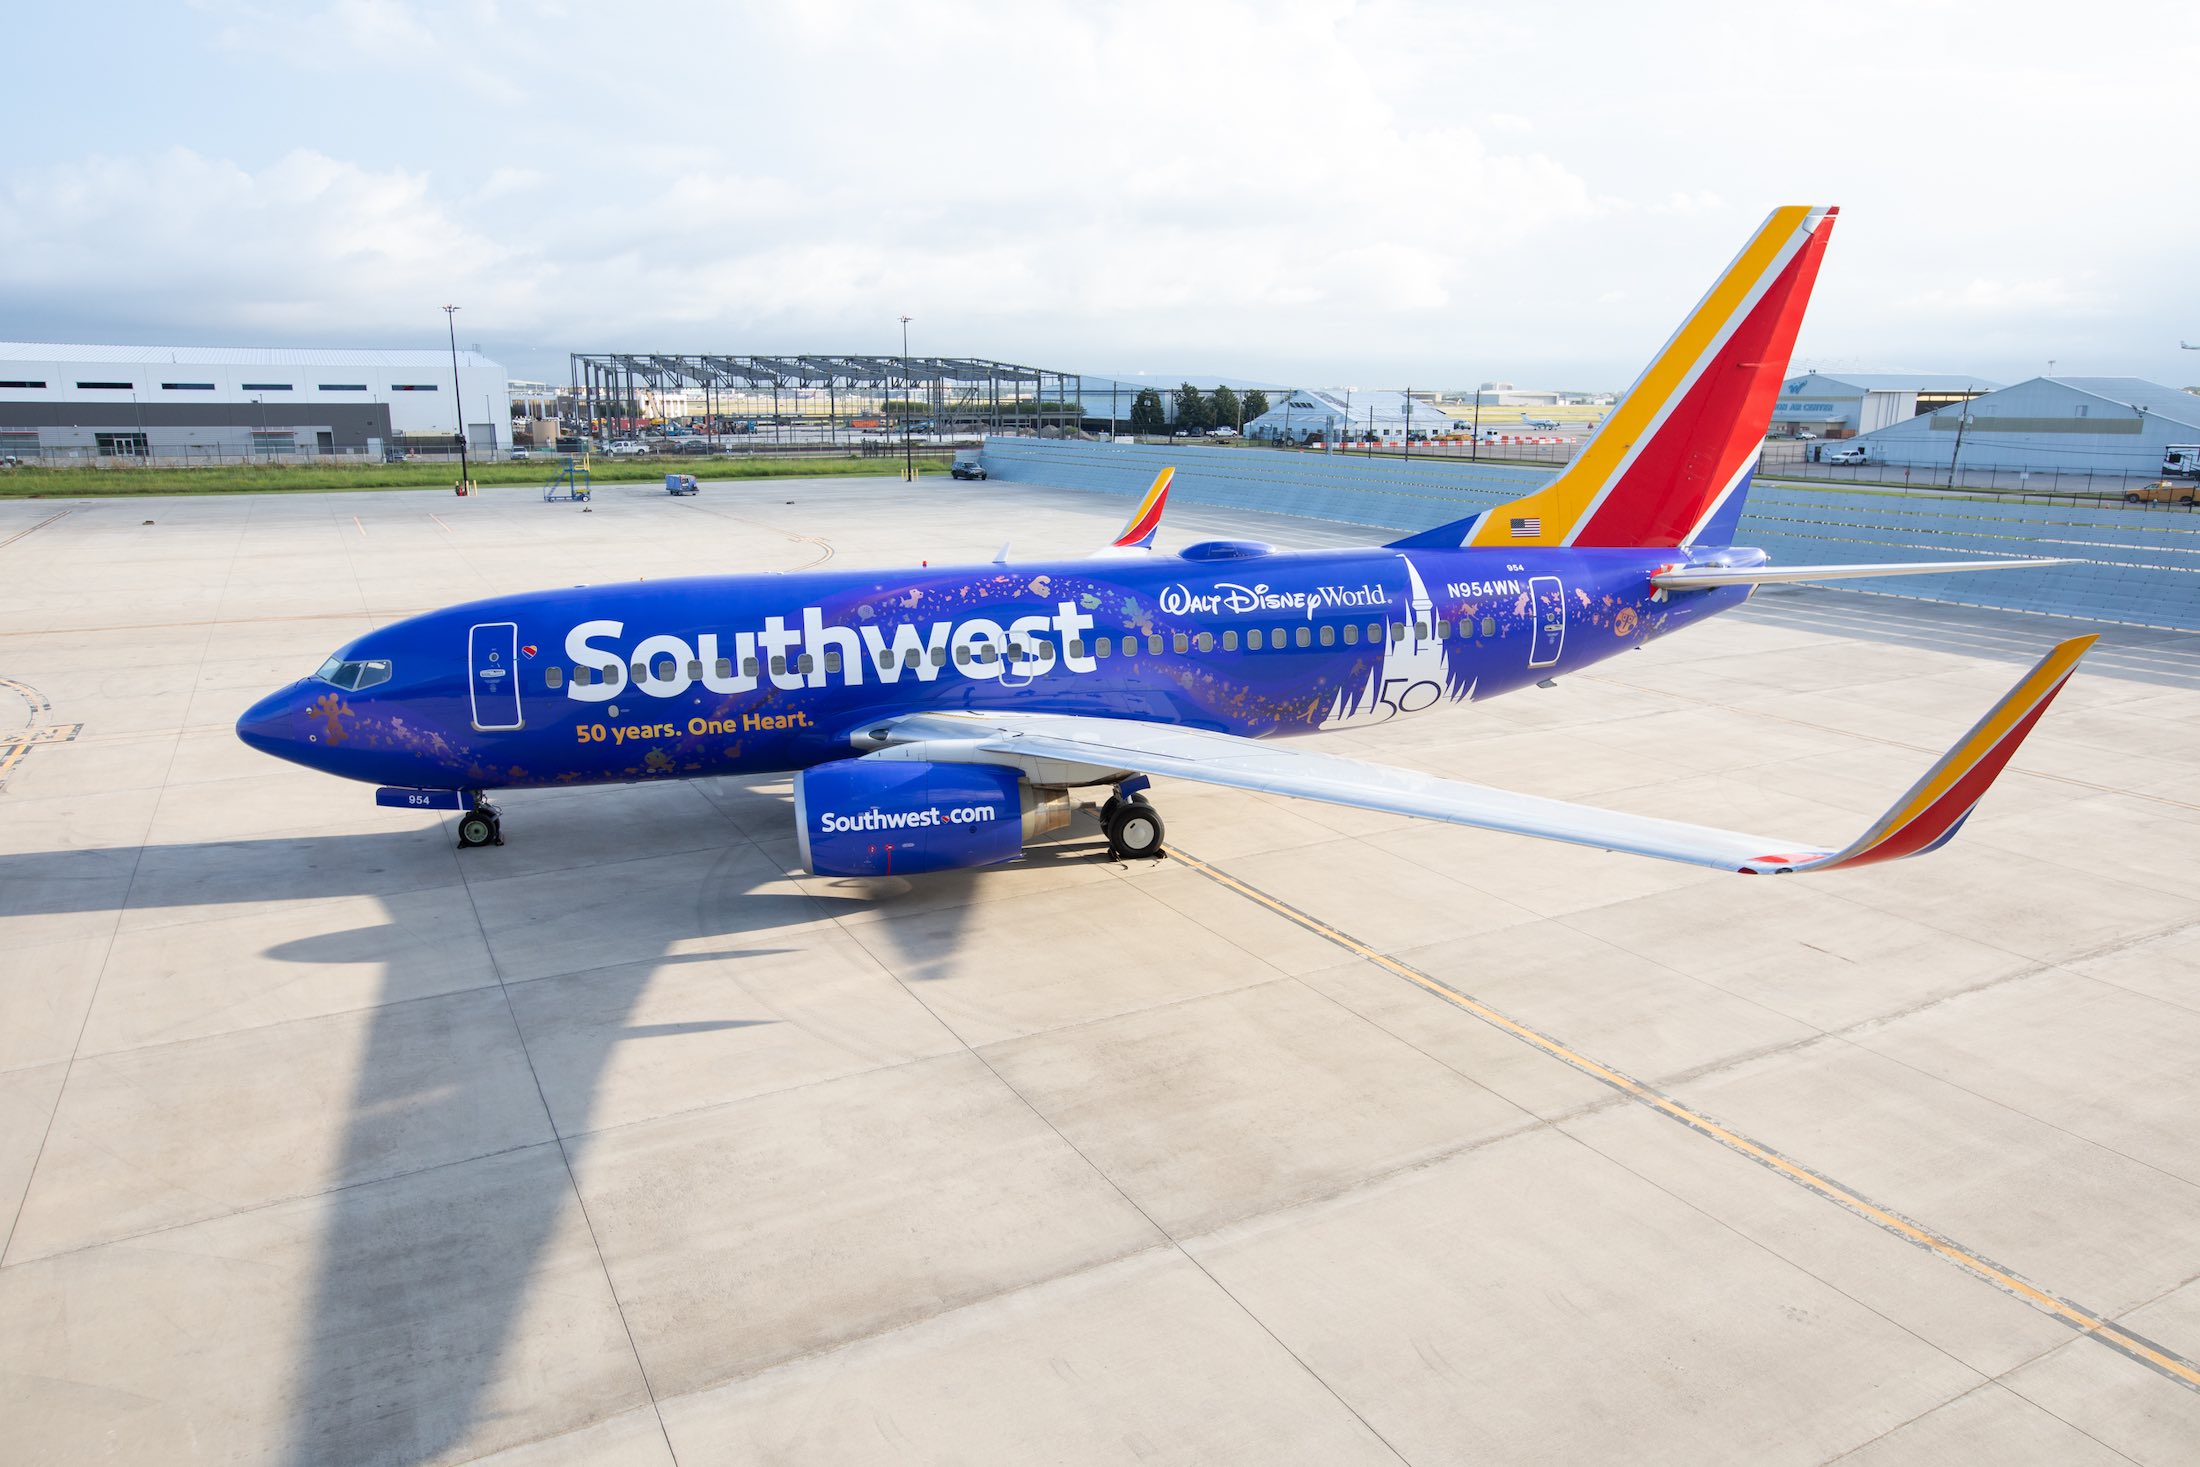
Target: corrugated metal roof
1906, 381
228, 356
2167, 402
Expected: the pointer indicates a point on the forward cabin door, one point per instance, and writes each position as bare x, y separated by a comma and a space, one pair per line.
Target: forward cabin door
492, 655
1549, 598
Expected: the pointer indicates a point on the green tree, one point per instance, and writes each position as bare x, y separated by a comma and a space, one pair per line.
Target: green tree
1224, 407
1146, 412
1193, 411
1256, 404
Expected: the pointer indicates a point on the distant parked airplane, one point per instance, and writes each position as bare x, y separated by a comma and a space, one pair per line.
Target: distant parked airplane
939, 718
1546, 423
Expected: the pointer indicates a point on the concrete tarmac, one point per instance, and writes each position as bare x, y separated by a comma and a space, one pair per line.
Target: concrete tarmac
324, 1142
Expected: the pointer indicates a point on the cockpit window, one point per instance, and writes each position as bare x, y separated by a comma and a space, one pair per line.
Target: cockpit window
355, 674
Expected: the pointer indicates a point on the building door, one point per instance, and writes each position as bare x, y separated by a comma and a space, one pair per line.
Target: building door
324, 441
492, 652
1550, 620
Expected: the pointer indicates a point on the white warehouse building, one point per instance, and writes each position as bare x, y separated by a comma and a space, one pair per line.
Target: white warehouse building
59, 401
2101, 425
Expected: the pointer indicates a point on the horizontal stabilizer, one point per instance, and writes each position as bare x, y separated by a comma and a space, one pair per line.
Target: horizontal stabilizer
1448, 536
1073, 749
1704, 578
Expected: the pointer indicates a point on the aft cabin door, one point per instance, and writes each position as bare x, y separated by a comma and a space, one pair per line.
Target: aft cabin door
1550, 620
492, 650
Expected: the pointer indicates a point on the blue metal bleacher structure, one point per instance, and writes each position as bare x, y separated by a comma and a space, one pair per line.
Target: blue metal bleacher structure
572, 482
2136, 564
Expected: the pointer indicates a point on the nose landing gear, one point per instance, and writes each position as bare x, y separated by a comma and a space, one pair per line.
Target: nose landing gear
1133, 827
483, 825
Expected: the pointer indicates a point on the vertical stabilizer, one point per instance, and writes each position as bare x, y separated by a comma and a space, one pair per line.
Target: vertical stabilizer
1670, 463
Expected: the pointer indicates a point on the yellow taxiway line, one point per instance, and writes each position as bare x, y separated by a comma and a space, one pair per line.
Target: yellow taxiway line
2085, 1321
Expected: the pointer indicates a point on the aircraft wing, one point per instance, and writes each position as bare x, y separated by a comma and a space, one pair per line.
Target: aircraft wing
1073, 749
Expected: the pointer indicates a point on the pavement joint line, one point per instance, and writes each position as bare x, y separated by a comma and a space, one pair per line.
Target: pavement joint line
2088, 1323
1169, 1240
565, 1156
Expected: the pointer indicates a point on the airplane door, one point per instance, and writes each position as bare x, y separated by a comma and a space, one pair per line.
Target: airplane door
1550, 620
492, 650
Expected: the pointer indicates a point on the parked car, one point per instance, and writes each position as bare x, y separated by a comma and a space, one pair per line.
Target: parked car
626, 448
1225, 431
968, 468
1855, 453
1804, 434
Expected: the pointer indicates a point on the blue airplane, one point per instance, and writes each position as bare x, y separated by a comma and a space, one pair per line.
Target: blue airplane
937, 719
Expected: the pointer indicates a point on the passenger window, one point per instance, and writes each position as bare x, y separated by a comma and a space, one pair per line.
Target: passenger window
748, 668
695, 672
1076, 647
553, 678
1205, 641
1397, 631
804, 665
1305, 637
989, 654
1443, 629
667, 670
1179, 642
1253, 640
1374, 633
939, 657
1352, 634
1329, 636
1229, 640
724, 666
641, 672
910, 658
832, 662
1100, 647
779, 664
1489, 626
582, 677
885, 661
1153, 644
962, 655
1420, 631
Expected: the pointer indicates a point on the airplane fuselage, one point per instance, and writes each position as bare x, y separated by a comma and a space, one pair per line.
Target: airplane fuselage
722, 675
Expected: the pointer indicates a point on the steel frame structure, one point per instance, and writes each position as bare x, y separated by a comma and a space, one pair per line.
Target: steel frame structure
800, 393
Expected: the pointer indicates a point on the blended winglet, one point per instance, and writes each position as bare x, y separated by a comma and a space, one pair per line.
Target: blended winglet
1928, 816
1145, 521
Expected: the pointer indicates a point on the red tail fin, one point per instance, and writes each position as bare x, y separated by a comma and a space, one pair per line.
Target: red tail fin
1685, 438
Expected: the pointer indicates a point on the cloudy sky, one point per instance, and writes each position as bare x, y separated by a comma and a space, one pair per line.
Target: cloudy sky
1377, 194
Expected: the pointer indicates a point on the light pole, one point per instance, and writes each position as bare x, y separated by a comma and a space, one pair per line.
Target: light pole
458, 406
1476, 451
908, 444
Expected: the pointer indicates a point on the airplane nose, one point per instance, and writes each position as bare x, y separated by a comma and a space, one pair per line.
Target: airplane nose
271, 725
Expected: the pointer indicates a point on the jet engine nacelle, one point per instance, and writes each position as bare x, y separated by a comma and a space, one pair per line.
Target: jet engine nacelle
886, 817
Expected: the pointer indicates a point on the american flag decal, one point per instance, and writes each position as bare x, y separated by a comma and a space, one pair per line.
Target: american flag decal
1527, 529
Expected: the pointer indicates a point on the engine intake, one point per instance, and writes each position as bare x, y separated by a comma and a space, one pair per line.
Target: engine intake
877, 817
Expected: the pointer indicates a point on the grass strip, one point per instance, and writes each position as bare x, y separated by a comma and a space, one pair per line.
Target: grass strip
79, 483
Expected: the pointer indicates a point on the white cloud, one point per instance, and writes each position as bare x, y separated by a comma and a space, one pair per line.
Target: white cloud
1368, 190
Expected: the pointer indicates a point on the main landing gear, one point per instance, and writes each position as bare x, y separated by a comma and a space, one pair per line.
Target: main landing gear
1133, 827
483, 825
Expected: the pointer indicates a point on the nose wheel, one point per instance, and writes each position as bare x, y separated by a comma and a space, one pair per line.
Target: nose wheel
483, 825
1133, 828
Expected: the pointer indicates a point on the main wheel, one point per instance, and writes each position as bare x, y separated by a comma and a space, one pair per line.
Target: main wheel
477, 828
1135, 831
